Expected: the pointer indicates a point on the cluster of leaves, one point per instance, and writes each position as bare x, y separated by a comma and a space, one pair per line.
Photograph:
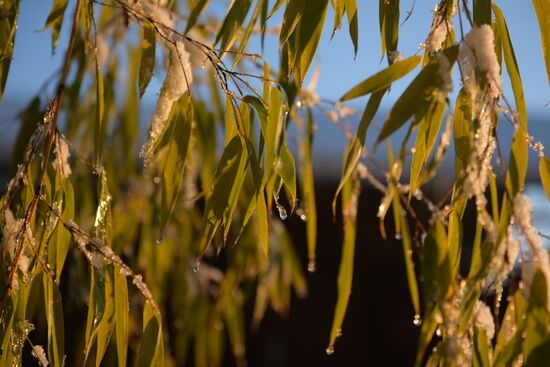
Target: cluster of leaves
197, 221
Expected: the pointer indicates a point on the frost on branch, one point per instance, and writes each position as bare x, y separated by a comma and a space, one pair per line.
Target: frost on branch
178, 79
62, 155
481, 41
538, 257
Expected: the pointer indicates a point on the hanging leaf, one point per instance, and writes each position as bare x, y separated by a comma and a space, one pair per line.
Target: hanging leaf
416, 99
232, 23
544, 171
383, 79
288, 174
174, 162
54, 318
122, 311
55, 20
99, 130
350, 199
351, 11
308, 190
542, 9
147, 61
198, 8
8, 26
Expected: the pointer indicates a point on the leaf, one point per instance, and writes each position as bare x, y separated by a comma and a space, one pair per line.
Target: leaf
149, 344
544, 171
99, 130
350, 199
383, 78
537, 316
354, 149
288, 174
55, 20
481, 347
122, 312
351, 11
511, 66
174, 163
482, 12
198, 8
263, 229
308, 190
106, 325
8, 28
224, 180
232, 23
389, 26
416, 98
147, 61
54, 318
248, 32
542, 9
435, 267
462, 132
62, 238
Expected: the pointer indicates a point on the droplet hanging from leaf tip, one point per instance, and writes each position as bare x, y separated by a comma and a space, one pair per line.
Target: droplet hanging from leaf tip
312, 266
157, 180
398, 236
302, 214
417, 321
197, 265
330, 350
159, 240
282, 212
338, 333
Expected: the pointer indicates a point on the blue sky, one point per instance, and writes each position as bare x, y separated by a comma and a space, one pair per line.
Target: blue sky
33, 62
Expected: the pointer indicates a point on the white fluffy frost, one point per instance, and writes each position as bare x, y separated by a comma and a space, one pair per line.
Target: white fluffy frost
438, 33
62, 155
38, 353
539, 259
483, 319
481, 41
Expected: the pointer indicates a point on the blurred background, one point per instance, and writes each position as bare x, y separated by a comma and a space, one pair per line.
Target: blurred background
378, 329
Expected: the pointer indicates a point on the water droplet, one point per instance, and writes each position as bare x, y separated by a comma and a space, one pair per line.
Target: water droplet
338, 333
159, 240
438, 332
417, 321
329, 350
282, 212
302, 214
413, 150
197, 265
299, 104
157, 180
398, 236
312, 266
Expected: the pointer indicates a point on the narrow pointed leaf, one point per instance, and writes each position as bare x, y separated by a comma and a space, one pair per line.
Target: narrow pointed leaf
147, 61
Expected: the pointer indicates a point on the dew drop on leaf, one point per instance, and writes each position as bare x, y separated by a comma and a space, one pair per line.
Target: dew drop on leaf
157, 180
312, 266
398, 236
282, 212
159, 240
338, 333
329, 350
417, 321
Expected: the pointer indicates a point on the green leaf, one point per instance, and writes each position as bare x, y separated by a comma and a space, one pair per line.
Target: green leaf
232, 22
55, 20
122, 312
544, 171
481, 347
350, 199
416, 98
462, 132
351, 11
248, 32
198, 8
308, 190
288, 174
99, 130
542, 9
149, 344
537, 316
263, 229
354, 149
174, 164
54, 318
147, 61
389, 26
106, 325
8, 28
383, 78
511, 66
482, 12
435, 267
